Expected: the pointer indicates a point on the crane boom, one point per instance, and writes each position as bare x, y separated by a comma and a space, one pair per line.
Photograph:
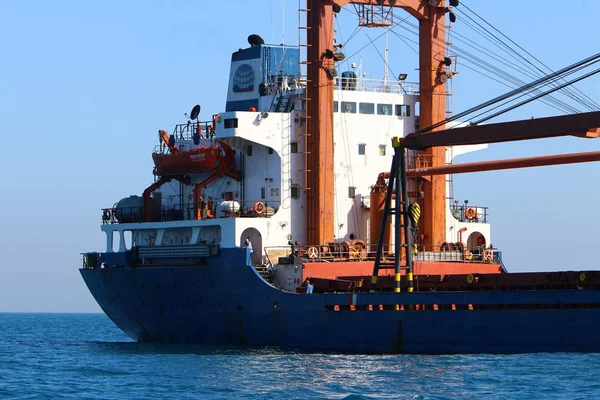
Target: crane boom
581, 125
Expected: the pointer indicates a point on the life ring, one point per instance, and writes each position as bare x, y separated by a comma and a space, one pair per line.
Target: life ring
313, 252
488, 255
259, 207
470, 213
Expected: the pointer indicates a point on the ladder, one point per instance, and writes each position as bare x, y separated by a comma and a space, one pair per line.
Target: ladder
302, 100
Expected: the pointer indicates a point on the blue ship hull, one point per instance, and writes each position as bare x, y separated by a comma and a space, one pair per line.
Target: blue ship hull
226, 302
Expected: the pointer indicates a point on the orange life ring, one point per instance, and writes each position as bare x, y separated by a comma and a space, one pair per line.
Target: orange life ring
313, 252
259, 207
470, 213
488, 255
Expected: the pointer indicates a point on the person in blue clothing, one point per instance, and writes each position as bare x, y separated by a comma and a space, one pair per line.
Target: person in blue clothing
249, 250
309, 287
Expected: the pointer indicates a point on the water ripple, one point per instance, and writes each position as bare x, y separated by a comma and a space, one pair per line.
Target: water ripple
80, 356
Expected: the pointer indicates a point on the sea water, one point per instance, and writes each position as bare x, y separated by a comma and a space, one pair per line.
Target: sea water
84, 356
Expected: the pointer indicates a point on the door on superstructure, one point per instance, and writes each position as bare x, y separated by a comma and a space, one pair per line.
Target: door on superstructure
256, 240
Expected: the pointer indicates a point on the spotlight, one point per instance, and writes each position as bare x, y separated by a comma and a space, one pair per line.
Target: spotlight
447, 61
380, 2
402, 77
452, 17
337, 57
392, 2
331, 72
454, 3
336, 8
328, 54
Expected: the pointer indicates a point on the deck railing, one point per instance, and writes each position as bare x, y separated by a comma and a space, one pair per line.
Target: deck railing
185, 212
340, 253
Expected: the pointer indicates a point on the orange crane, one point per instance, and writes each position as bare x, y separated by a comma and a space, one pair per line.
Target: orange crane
432, 67
431, 15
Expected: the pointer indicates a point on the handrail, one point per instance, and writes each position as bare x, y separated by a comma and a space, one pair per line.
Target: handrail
324, 253
184, 212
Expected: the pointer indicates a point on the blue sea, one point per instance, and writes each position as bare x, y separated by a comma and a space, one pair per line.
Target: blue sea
84, 356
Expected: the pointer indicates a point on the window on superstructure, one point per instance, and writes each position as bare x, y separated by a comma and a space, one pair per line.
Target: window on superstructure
402, 110
230, 123
362, 149
351, 192
384, 109
366, 108
294, 192
249, 150
335, 106
127, 236
293, 147
349, 107
263, 193
382, 149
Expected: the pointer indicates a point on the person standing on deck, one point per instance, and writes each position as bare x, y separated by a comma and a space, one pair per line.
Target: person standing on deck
309, 287
249, 250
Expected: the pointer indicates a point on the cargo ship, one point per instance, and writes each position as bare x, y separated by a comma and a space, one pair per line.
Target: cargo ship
313, 214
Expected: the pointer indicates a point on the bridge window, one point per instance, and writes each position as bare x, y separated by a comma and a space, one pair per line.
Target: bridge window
402, 110
384, 109
230, 123
362, 149
249, 150
349, 107
335, 106
366, 108
263, 193
293, 147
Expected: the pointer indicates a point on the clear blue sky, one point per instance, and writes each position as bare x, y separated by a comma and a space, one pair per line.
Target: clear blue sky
85, 86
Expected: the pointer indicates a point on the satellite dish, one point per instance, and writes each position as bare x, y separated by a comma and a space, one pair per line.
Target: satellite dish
195, 112
255, 40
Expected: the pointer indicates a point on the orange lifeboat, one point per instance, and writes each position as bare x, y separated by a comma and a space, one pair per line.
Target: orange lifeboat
201, 159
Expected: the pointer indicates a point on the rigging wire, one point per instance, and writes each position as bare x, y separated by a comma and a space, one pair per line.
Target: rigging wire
558, 104
590, 60
523, 60
541, 94
584, 98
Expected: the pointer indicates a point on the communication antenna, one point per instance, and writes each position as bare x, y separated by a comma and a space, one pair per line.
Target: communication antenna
385, 61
